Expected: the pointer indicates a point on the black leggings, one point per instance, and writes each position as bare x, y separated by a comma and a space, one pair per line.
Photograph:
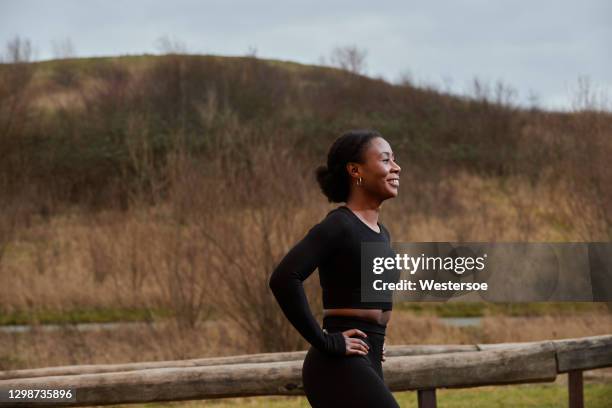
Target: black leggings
351, 380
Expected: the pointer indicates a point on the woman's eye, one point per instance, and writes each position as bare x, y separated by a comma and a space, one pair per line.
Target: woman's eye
385, 160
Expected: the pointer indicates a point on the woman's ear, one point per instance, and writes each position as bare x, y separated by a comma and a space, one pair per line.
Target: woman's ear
353, 169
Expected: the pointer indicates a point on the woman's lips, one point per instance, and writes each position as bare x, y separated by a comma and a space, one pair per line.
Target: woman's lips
394, 182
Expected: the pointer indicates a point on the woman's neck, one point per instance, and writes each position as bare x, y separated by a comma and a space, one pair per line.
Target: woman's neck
367, 211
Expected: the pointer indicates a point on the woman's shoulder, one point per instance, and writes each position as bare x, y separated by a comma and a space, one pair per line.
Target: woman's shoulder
341, 214
336, 219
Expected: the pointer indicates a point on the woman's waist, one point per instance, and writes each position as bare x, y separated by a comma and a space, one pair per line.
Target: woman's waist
369, 324
369, 313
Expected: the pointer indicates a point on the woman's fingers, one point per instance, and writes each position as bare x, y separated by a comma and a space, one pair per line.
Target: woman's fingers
358, 349
360, 344
352, 332
363, 343
356, 345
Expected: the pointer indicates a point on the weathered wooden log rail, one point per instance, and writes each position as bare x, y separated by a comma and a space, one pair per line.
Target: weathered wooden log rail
408, 368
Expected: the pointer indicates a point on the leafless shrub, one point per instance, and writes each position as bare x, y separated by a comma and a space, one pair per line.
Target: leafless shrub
153, 265
15, 76
67, 73
588, 97
590, 178
534, 101
524, 201
8, 223
141, 169
500, 93
178, 259
100, 247
349, 58
170, 45
247, 229
583, 146
251, 52
18, 50
406, 79
63, 49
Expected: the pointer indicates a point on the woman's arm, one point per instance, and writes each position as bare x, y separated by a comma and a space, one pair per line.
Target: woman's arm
287, 280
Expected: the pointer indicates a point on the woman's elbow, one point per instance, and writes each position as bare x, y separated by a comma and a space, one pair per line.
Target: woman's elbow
275, 281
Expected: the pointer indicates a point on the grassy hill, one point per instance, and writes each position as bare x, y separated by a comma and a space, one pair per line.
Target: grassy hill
79, 128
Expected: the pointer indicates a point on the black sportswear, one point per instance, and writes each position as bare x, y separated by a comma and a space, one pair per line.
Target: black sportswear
354, 381
334, 246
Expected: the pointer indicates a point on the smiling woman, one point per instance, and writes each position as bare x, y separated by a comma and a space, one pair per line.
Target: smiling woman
343, 366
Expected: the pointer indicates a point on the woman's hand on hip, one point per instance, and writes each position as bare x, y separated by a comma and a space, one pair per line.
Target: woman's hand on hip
355, 345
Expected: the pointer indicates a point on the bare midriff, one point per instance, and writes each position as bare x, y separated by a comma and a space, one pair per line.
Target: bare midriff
374, 315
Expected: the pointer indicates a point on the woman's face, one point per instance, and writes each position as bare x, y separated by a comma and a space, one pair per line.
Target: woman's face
379, 171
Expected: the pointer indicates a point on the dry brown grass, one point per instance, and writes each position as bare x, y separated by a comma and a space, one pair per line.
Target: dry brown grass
405, 328
116, 258
501, 329
212, 246
166, 341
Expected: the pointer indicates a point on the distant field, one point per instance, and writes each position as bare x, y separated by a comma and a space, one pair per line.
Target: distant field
80, 315
524, 396
456, 309
461, 309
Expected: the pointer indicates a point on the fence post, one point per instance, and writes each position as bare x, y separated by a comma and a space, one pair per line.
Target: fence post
574, 384
427, 398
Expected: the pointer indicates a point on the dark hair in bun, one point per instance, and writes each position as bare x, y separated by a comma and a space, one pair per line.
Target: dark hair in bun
334, 179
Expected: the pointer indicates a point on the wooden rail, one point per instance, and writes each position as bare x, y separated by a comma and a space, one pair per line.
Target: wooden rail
392, 351
420, 368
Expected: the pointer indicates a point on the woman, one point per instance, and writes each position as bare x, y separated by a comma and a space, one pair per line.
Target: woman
343, 366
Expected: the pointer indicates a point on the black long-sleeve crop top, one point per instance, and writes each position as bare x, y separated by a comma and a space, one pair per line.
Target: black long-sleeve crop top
334, 246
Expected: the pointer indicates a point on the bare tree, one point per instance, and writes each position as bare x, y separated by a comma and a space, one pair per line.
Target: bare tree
63, 49
505, 94
406, 78
349, 58
480, 90
171, 45
18, 50
534, 100
65, 74
587, 97
251, 51
14, 98
14, 105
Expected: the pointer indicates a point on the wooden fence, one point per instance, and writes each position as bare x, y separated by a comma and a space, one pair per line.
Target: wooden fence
418, 368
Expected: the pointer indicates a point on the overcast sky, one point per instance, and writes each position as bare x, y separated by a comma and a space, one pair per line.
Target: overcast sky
539, 47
